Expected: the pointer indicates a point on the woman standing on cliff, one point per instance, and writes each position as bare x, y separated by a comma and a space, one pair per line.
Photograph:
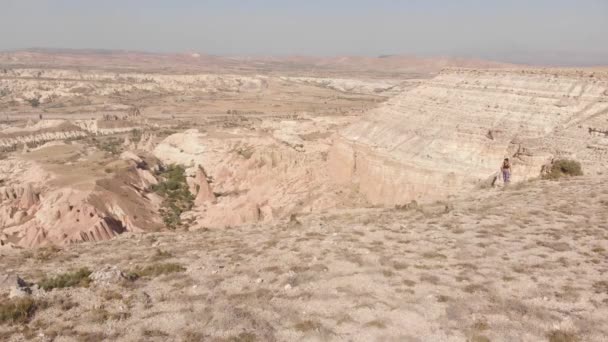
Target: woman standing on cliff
506, 171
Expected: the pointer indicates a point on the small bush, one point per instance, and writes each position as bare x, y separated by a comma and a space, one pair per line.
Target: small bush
17, 310
34, 102
70, 279
564, 167
155, 270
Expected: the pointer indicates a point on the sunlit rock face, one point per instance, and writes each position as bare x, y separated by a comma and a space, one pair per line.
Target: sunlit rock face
452, 132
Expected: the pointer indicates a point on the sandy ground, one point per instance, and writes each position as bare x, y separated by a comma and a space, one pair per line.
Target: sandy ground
527, 263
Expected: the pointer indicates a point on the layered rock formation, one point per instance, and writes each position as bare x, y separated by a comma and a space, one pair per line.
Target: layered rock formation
46, 85
453, 131
376, 87
38, 133
52, 130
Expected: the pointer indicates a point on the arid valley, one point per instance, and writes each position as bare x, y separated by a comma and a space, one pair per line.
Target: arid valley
189, 197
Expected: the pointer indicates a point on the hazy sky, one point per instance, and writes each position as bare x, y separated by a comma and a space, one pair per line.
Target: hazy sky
532, 31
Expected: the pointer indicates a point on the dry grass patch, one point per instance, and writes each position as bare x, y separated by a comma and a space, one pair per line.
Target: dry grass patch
111, 295
86, 336
242, 337
17, 310
79, 278
556, 246
443, 298
155, 270
66, 304
429, 278
101, 315
150, 333
378, 324
561, 336
472, 288
161, 255
399, 265
408, 282
46, 253
601, 287
433, 255
479, 338
308, 326
193, 336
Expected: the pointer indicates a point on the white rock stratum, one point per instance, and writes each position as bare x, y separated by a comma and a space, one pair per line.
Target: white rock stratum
452, 132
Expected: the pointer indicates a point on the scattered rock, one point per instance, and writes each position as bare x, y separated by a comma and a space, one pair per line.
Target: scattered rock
14, 285
108, 275
128, 155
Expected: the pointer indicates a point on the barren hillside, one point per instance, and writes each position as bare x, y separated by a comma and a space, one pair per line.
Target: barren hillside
523, 264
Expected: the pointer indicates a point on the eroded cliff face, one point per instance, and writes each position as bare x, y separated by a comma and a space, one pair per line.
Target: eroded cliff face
452, 132
43, 202
241, 176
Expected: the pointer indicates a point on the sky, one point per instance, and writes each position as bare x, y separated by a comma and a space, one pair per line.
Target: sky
548, 32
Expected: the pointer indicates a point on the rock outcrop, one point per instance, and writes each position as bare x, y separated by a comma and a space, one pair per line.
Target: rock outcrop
453, 131
202, 189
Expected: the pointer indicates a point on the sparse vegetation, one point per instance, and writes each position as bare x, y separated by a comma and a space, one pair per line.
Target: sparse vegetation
111, 145
601, 287
46, 253
177, 196
111, 295
17, 310
564, 167
161, 254
479, 338
70, 279
101, 315
136, 135
34, 101
308, 326
155, 270
193, 336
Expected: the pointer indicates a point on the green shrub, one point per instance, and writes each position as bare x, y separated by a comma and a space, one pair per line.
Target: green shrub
17, 310
177, 196
70, 279
564, 167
